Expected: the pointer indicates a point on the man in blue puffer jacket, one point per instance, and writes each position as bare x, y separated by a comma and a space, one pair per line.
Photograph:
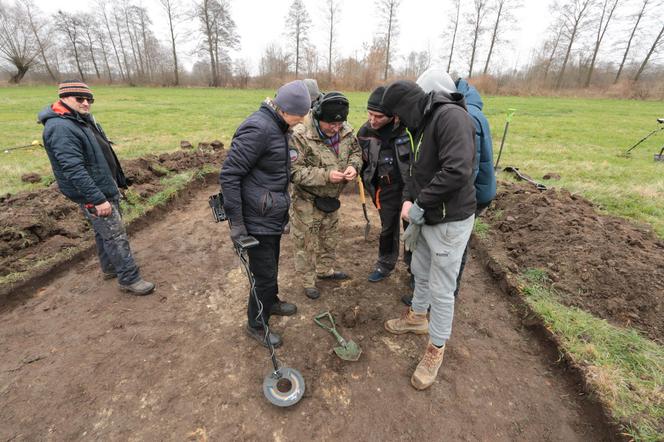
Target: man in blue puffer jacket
434, 79
254, 180
88, 172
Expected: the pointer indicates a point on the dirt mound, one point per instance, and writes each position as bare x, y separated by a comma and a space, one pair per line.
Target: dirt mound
602, 264
38, 225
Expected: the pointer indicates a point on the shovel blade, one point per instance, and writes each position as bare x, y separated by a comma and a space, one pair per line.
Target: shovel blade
349, 352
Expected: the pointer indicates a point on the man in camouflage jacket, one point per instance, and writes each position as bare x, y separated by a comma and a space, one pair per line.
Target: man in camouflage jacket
325, 156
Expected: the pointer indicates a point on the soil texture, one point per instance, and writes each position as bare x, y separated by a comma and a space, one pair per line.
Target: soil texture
82, 360
602, 264
39, 224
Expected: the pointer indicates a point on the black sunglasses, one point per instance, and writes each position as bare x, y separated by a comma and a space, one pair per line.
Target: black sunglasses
82, 99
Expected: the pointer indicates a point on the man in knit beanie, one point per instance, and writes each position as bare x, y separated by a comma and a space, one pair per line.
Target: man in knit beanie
88, 172
386, 146
254, 181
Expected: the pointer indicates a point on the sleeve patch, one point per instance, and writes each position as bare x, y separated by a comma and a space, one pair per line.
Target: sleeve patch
294, 155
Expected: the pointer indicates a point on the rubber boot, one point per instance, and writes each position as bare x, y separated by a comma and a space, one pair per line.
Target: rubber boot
427, 370
409, 322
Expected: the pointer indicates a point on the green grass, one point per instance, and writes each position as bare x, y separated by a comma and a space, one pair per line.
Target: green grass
580, 139
481, 228
625, 370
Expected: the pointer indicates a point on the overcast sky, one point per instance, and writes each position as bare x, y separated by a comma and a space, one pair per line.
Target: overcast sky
261, 22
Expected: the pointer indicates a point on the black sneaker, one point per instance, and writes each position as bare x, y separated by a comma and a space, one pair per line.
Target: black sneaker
259, 335
283, 309
377, 275
312, 292
335, 276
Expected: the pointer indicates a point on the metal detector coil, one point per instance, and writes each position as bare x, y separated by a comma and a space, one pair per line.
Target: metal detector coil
284, 387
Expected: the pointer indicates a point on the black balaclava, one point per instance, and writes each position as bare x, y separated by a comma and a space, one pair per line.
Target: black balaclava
407, 100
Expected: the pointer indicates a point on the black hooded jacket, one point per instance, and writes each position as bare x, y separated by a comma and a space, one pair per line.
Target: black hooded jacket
441, 173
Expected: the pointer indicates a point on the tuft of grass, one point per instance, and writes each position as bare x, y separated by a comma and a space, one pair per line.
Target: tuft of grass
481, 229
624, 369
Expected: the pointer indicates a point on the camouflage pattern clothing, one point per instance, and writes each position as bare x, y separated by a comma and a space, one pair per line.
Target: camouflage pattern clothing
314, 231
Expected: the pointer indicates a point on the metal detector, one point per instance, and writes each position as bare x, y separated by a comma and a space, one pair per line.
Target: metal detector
284, 386
658, 157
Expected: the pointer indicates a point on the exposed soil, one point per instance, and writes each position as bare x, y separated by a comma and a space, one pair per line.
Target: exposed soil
42, 223
84, 361
602, 264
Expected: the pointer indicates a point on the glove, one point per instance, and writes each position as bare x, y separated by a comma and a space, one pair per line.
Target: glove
416, 214
410, 236
238, 231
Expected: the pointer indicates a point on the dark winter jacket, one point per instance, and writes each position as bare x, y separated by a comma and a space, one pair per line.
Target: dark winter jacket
77, 159
254, 177
441, 172
485, 181
372, 163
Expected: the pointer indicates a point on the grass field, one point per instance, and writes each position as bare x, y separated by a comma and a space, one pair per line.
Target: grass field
579, 139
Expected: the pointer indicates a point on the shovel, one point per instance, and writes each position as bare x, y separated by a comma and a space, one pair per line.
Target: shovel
347, 350
364, 208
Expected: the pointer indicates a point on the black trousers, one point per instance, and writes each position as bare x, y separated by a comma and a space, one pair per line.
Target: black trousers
388, 201
478, 212
264, 265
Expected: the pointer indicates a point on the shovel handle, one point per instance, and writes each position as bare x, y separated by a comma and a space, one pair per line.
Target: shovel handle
332, 329
361, 186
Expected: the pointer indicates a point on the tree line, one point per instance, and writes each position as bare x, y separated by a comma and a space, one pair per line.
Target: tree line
588, 44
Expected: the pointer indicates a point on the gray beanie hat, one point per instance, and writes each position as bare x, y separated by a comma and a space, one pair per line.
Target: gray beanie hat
312, 86
293, 98
436, 79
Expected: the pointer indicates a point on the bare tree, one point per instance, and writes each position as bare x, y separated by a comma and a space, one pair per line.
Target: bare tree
575, 14
504, 17
298, 23
37, 27
476, 21
89, 26
388, 13
416, 63
557, 27
454, 27
219, 33
101, 8
171, 9
332, 11
17, 43
116, 19
608, 8
638, 16
657, 44
71, 25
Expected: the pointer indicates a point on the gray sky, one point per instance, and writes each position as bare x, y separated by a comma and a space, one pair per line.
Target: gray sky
261, 22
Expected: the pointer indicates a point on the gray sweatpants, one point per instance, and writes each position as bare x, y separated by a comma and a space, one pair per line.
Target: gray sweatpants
435, 265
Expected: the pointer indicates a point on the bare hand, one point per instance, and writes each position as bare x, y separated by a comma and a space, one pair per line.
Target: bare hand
104, 209
404, 210
336, 177
350, 173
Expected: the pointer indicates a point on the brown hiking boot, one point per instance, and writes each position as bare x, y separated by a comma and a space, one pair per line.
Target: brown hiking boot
427, 370
409, 322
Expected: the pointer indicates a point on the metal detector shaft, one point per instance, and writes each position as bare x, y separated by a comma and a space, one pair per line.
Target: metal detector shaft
510, 114
239, 249
642, 140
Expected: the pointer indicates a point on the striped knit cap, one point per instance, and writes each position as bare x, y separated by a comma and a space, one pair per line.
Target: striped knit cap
74, 88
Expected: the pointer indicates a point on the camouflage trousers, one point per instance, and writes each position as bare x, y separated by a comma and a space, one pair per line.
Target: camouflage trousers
315, 237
